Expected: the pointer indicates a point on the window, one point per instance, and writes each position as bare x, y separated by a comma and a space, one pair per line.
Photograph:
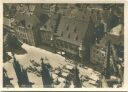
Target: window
74, 48
23, 23
66, 45
71, 47
67, 28
75, 30
76, 37
29, 26
83, 17
58, 44
61, 44
68, 35
97, 52
62, 34
44, 26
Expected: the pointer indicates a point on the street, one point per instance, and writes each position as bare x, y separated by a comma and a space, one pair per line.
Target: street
55, 60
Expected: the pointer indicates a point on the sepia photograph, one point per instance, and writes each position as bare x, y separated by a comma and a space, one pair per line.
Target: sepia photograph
64, 91
63, 45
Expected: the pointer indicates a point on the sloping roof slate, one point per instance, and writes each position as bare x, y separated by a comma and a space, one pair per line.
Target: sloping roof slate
29, 20
117, 31
115, 40
73, 30
6, 22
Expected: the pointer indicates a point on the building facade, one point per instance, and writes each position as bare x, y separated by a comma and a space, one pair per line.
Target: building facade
46, 33
26, 27
99, 51
75, 35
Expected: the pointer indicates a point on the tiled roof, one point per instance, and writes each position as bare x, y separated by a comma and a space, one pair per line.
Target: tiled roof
6, 22
115, 40
31, 20
117, 31
31, 7
73, 30
47, 26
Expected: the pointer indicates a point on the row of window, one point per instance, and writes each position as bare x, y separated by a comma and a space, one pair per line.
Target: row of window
22, 35
98, 58
76, 38
67, 46
75, 29
98, 53
27, 41
46, 36
21, 29
25, 37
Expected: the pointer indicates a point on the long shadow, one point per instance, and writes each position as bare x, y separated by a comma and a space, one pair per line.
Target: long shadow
20, 51
6, 57
47, 47
6, 79
96, 67
21, 73
93, 84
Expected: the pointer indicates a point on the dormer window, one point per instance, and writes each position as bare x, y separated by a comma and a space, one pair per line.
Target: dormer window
44, 26
76, 37
68, 35
23, 22
67, 28
62, 34
29, 26
75, 30
21, 5
83, 17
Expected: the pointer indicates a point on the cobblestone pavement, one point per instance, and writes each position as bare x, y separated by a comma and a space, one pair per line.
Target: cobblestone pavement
55, 60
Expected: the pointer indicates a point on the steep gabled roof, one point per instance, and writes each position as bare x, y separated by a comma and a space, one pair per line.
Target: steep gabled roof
73, 30
116, 35
6, 22
115, 40
31, 20
47, 26
117, 31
